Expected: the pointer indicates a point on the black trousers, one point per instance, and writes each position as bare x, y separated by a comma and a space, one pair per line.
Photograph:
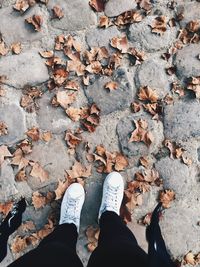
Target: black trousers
117, 247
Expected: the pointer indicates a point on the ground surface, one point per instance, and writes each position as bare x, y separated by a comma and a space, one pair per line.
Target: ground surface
178, 119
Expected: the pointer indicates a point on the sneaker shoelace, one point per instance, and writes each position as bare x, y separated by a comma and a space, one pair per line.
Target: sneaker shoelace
111, 198
72, 213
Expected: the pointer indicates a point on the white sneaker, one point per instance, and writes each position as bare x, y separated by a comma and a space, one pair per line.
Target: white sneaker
72, 205
113, 191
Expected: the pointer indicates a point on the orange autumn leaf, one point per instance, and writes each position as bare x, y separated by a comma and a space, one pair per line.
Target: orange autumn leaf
38, 200
38, 172
104, 21
6, 207
33, 133
78, 171
147, 94
111, 85
61, 188
19, 244
166, 197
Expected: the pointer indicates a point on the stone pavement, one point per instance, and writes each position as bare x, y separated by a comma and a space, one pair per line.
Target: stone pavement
172, 58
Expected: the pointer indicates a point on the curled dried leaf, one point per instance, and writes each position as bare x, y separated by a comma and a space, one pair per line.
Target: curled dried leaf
166, 197
36, 21
97, 5
159, 25
33, 133
121, 43
61, 188
3, 128
104, 21
148, 94
16, 48
57, 12
111, 85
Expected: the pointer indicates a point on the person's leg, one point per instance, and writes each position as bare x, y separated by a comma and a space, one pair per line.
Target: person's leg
117, 245
59, 248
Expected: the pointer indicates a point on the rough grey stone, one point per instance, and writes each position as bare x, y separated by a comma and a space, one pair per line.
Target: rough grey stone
116, 7
13, 116
101, 37
20, 31
77, 15
152, 73
44, 153
186, 61
23, 69
176, 176
142, 38
7, 182
182, 120
8, 259
109, 101
126, 126
180, 222
52, 118
191, 11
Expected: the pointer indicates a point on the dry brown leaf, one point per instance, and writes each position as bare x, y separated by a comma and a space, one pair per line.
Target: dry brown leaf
46, 136
21, 176
94, 67
61, 188
194, 85
77, 66
159, 25
78, 171
186, 160
86, 80
121, 162
97, 5
34, 133
136, 106
18, 245
6, 207
16, 48
46, 230
27, 226
175, 150
38, 200
141, 134
3, 49
148, 94
145, 4
128, 17
60, 75
38, 172
47, 54
36, 21
144, 161
166, 197
76, 114
23, 5
138, 56
111, 85
92, 235
121, 43
64, 99
19, 160
26, 146
72, 140
3, 128
4, 152
177, 88
104, 21
190, 258
72, 85
57, 12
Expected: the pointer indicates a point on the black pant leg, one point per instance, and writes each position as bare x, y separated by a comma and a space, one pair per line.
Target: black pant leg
117, 245
56, 250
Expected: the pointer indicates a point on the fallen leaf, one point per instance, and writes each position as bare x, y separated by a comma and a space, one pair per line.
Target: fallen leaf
141, 134
194, 85
21, 176
72, 85
77, 66
3, 128
38, 200
60, 75
121, 43
36, 21
61, 188
5, 208
97, 5
166, 197
72, 140
18, 245
159, 25
94, 67
145, 4
33, 133
47, 54
175, 150
23, 5
46, 136
148, 94
144, 161
186, 160
3, 49
104, 21
146, 220
138, 56
111, 85
78, 171
76, 114
27, 226
57, 12
86, 80
38, 172
92, 235
64, 99
121, 162
136, 106
128, 17
16, 48
19, 159
177, 88
190, 258
4, 152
